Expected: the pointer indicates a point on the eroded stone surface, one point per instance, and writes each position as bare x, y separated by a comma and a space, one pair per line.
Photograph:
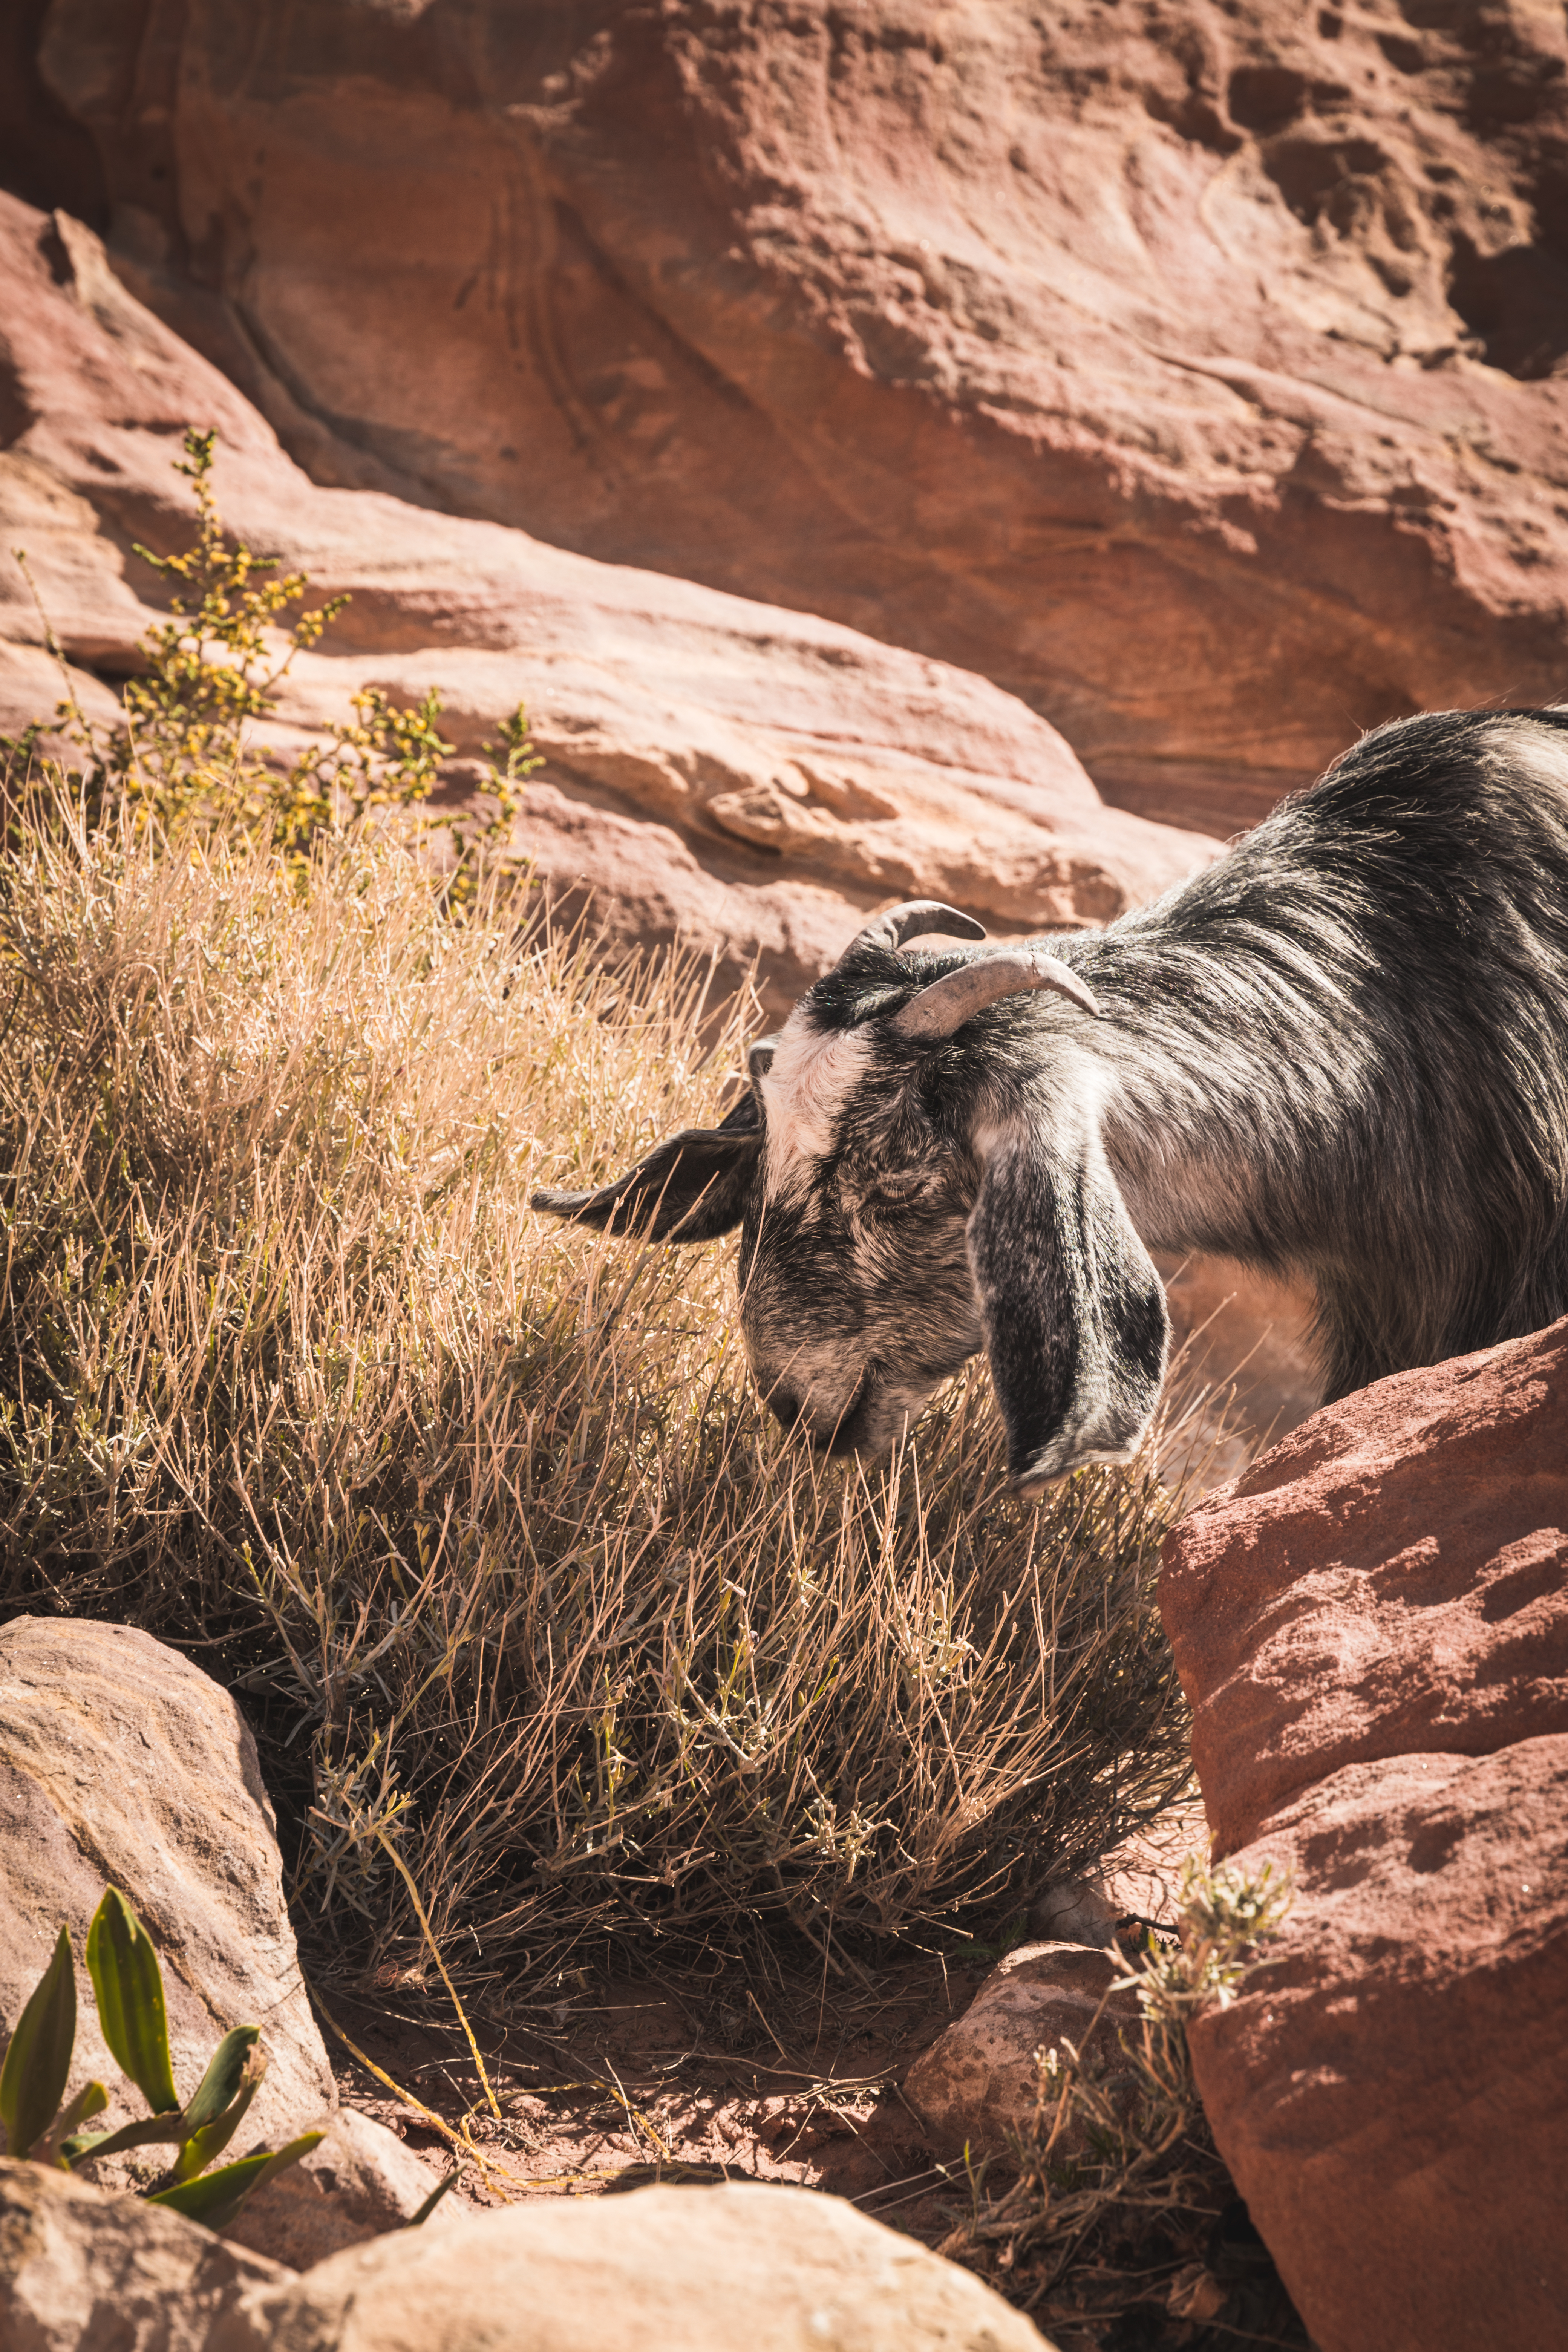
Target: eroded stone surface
703, 2268
1371, 1626
747, 779
84, 2271
1389, 1580
980, 2079
1193, 371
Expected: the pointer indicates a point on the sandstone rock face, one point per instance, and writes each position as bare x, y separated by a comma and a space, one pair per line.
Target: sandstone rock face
1388, 1582
707, 2269
742, 777
1194, 372
83, 2271
358, 2183
1371, 1625
122, 1763
979, 2079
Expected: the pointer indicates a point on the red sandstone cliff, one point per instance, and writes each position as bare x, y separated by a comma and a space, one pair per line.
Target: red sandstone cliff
1189, 369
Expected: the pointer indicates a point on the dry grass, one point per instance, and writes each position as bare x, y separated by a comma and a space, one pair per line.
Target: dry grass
478, 1511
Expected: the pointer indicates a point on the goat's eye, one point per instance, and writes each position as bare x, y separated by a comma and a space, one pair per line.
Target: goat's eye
894, 1187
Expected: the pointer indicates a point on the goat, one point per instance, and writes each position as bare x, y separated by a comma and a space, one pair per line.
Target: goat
1341, 1053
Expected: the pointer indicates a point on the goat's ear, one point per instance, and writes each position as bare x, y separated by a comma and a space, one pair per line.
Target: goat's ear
691, 1188
1074, 1313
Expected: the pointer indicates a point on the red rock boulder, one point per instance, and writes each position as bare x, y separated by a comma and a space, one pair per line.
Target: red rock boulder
1372, 1627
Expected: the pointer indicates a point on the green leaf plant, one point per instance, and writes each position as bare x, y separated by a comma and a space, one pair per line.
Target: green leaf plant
129, 1987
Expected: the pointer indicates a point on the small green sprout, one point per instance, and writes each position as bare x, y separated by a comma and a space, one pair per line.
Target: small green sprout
129, 1987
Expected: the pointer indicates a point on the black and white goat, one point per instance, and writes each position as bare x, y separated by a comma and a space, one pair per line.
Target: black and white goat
1341, 1053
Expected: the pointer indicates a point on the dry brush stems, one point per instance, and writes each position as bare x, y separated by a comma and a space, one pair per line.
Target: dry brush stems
481, 1517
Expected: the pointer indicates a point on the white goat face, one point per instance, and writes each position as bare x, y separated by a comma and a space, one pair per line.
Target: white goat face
857, 1296
909, 1190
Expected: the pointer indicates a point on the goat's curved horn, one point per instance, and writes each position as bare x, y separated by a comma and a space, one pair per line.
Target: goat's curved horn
909, 921
958, 996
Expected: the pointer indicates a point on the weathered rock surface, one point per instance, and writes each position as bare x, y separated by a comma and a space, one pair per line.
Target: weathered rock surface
83, 2271
1371, 1625
979, 2079
742, 776
358, 2183
1390, 1581
1195, 371
1074, 1911
123, 1764
706, 2269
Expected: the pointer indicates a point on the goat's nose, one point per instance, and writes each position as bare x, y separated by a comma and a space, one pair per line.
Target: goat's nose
784, 1403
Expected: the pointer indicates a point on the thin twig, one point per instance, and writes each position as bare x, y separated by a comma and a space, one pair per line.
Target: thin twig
397, 1859
53, 643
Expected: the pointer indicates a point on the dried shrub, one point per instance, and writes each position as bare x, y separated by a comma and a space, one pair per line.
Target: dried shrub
478, 1511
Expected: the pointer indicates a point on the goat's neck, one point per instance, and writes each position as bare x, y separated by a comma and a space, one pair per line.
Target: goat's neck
1208, 1149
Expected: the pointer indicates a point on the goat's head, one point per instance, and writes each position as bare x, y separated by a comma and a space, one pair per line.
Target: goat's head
915, 1178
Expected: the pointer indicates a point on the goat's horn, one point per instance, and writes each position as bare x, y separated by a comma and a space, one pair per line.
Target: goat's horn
908, 921
959, 996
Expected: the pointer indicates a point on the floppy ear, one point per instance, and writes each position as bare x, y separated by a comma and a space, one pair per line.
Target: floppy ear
691, 1188
1073, 1311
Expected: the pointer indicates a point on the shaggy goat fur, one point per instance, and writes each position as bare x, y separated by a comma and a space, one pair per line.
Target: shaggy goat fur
1341, 1052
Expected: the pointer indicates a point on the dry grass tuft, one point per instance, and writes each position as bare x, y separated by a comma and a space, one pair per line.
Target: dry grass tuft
477, 1510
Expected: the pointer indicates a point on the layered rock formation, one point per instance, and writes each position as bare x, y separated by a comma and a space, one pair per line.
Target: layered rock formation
1371, 1625
736, 775
1191, 369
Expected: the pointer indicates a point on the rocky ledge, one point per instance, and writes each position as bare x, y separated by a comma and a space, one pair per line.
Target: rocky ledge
742, 778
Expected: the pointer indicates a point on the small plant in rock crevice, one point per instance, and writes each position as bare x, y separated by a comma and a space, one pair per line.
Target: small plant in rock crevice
129, 1987
182, 758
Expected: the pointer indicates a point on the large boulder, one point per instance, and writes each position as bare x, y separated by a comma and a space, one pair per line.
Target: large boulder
1193, 371
743, 778
123, 1764
82, 2271
1371, 1626
705, 2269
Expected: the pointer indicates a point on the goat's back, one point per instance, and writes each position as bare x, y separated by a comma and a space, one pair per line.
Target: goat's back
1369, 995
